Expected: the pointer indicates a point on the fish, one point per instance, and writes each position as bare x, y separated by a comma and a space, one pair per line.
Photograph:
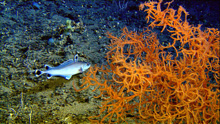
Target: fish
67, 69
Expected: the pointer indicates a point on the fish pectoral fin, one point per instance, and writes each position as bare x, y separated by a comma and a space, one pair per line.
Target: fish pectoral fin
68, 77
81, 70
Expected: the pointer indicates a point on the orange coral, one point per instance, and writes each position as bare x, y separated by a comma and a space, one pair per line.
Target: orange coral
144, 81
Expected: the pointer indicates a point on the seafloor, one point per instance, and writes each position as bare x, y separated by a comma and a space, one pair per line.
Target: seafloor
35, 33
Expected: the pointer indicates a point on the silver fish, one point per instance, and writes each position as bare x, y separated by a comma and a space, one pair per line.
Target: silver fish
66, 69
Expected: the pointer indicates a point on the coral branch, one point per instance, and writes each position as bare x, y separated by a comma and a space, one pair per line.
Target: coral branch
144, 81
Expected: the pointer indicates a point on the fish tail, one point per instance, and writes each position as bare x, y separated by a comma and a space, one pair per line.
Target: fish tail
38, 73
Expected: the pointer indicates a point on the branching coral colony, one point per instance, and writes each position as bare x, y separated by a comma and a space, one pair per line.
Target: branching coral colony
146, 82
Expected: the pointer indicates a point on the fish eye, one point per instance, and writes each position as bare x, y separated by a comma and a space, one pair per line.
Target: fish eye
88, 64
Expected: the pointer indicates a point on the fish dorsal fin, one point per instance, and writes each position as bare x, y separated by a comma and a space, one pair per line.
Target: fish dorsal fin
76, 58
70, 61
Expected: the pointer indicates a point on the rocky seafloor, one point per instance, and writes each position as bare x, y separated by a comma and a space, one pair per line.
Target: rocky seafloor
35, 33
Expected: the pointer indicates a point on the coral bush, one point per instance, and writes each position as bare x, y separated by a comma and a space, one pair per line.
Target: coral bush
143, 80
